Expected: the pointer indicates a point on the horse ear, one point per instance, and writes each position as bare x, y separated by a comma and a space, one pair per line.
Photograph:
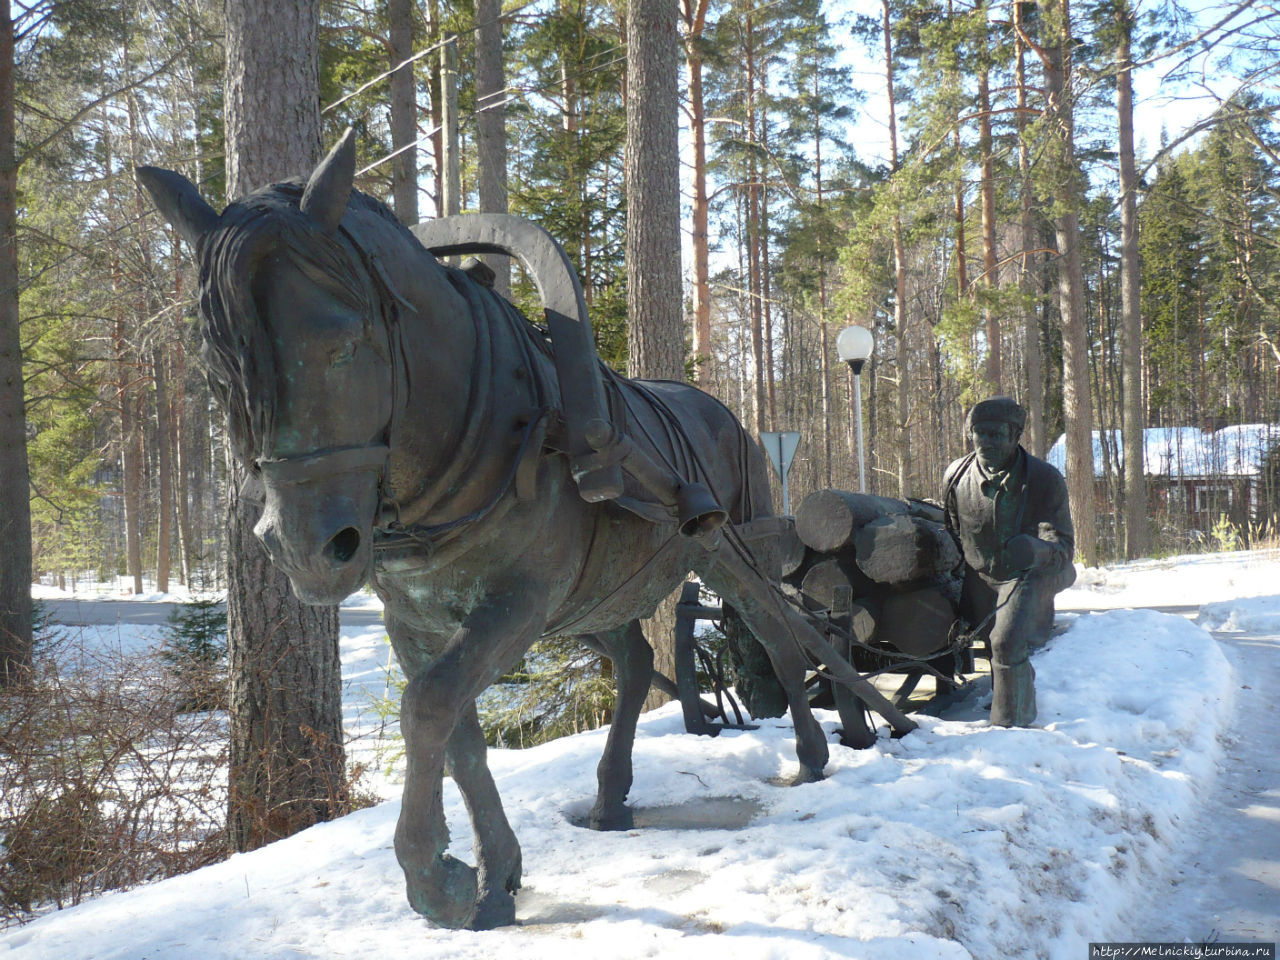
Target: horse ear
179, 202
329, 189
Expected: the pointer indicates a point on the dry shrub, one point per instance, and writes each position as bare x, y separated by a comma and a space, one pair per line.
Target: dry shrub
104, 782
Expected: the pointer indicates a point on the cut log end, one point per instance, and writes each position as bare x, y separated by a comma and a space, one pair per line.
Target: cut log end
828, 520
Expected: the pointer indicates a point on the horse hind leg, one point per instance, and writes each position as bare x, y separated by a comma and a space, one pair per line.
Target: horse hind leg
633, 669
496, 849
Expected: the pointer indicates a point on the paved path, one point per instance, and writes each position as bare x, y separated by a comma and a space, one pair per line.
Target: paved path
1228, 888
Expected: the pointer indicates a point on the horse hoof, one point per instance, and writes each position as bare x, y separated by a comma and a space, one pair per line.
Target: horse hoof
808, 775
513, 875
863, 741
496, 909
621, 820
445, 896
510, 874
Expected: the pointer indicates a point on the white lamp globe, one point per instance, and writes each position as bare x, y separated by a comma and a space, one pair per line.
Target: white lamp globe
854, 344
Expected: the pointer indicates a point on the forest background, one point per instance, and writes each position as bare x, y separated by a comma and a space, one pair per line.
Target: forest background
1012, 238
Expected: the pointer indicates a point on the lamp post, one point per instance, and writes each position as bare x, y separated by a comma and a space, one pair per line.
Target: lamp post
854, 347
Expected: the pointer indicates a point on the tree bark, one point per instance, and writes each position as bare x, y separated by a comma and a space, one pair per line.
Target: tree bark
451, 170
1077, 404
130, 452
1135, 482
1032, 356
654, 307
435, 105
491, 127
147, 307
766, 291
15, 477
178, 444
755, 296
824, 346
900, 318
404, 112
287, 758
164, 467
695, 18
994, 364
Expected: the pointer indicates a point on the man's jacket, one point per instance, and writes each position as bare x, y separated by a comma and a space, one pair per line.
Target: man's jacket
985, 511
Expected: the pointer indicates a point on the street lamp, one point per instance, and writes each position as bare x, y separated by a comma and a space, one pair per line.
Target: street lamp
854, 347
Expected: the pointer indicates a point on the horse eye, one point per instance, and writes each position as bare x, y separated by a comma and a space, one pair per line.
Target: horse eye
340, 356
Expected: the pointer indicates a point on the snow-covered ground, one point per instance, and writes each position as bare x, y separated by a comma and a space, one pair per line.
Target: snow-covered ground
957, 841
1180, 582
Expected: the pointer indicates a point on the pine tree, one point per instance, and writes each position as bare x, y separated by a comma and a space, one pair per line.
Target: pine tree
15, 571
287, 757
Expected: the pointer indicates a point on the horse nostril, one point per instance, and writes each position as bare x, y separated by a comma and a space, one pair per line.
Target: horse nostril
344, 544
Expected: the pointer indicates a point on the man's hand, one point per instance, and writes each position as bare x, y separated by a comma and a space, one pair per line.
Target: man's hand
1025, 552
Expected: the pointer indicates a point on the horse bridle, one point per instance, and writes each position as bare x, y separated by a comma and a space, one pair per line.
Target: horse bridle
389, 532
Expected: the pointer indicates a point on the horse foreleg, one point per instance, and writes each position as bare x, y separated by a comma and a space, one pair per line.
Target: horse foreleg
440, 887
750, 594
633, 668
497, 850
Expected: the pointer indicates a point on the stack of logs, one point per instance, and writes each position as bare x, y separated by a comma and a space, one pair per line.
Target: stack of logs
883, 569
889, 564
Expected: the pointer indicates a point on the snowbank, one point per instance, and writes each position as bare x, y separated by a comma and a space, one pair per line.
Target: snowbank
957, 841
1254, 615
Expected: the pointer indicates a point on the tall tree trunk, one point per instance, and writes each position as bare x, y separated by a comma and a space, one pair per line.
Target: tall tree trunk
15, 477
491, 126
164, 467
403, 94
766, 291
451, 184
654, 306
287, 758
148, 308
760, 402
130, 444
695, 18
435, 106
992, 370
1135, 481
824, 346
178, 444
958, 185
130, 437
900, 318
1032, 355
1077, 405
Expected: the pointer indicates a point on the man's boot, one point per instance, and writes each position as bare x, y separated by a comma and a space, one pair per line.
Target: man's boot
1013, 694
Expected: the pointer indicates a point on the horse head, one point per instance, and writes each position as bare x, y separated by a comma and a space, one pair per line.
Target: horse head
301, 358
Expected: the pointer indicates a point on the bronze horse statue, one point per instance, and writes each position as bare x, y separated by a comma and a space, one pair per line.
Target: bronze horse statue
403, 422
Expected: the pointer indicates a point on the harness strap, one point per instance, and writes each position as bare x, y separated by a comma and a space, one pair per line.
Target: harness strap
394, 535
308, 467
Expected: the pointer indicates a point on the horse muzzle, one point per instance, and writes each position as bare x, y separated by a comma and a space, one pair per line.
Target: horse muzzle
319, 530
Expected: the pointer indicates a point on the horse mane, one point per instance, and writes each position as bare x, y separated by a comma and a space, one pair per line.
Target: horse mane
238, 354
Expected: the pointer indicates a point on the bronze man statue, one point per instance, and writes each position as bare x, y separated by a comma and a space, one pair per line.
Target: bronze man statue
1009, 512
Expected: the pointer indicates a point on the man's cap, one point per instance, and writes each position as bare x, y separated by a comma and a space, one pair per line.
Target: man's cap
997, 410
